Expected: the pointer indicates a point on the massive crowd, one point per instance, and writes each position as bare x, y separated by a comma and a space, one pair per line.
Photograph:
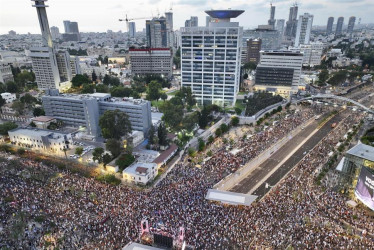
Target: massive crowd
79, 212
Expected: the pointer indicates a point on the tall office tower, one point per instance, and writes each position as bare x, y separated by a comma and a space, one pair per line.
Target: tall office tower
211, 57
187, 23
330, 23
271, 21
291, 24
169, 20
304, 28
208, 19
74, 65
156, 33
339, 26
67, 26
132, 29
73, 27
351, 24
280, 28
270, 39
43, 59
279, 72
194, 21
169, 28
253, 50
55, 32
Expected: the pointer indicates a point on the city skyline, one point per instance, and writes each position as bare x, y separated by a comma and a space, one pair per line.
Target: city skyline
256, 12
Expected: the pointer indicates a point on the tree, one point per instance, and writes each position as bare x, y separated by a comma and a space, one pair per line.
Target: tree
101, 88
78, 80
114, 124
173, 114
106, 159
2, 101
32, 124
162, 135
114, 147
152, 132
204, 117
189, 121
186, 94
79, 151
111, 80
38, 111
124, 161
97, 155
201, 144
93, 76
238, 111
250, 65
88, 89
24, 77
191, 152
19, 107
153, 92
218, 132
164, 96
323, 76
120, 91
224, 128
11, 87
28, 99
234, 120
210, 139
6, 126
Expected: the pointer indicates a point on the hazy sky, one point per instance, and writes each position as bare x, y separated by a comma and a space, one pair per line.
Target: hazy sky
95, 15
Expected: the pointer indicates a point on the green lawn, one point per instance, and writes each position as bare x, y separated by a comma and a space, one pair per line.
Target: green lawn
240, 104
157, 103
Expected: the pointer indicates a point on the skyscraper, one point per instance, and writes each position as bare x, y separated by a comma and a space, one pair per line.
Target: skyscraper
280, 28
169, 20
210, 63
271, 21
351, 24
304, 28
192, 22
71, 31
330, 23
339, 26
67, 26
132, 29
156, 33
45, 64
291, 24
55, 32
253, 50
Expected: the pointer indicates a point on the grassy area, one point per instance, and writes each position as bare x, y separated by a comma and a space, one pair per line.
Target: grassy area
240, 104
172, 93
242, 93
157, 103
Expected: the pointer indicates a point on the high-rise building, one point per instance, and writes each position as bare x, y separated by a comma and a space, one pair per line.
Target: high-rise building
351, 24
312, 53
67, 26
55, 32
253, 50
169, 28
304, 29
330, 23
6, 73
192, 22
156, 33
63, 65
291, 25
279, 72
271, 21
280, 28
339, 26
270, 38
71, 31
211, 57
208, 19
43, 59
151, 61
12, 33
132, 29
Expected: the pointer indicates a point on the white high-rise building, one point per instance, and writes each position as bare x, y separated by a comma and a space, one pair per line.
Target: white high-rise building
55, 32
312, 53
132, 29
211, 57
279, 72
304, 28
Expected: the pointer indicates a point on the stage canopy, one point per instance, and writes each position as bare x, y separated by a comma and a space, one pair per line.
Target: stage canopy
230, 197
137, 246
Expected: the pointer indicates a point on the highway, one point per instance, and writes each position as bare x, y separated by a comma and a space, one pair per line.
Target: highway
258, 175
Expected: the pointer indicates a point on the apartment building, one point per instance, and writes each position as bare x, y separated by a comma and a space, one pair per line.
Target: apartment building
6, 73
312, 53
151, 61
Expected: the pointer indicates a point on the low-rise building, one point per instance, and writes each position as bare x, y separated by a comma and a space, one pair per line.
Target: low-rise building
40, 139
6, 73
137, 138
43, 121
140, 173
165, 156
312, 53
8, 97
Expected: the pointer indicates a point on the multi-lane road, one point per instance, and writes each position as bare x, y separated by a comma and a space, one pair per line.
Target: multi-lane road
255, 182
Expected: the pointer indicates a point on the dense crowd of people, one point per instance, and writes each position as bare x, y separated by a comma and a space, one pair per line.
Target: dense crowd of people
49, 207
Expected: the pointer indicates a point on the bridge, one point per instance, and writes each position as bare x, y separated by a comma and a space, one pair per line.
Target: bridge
340, 98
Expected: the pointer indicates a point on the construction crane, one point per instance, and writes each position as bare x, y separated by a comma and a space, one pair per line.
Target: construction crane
131, 19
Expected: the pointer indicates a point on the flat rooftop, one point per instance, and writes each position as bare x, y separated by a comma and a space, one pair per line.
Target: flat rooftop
36, 131
100, 97
43, 119
363, 151
132, 169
